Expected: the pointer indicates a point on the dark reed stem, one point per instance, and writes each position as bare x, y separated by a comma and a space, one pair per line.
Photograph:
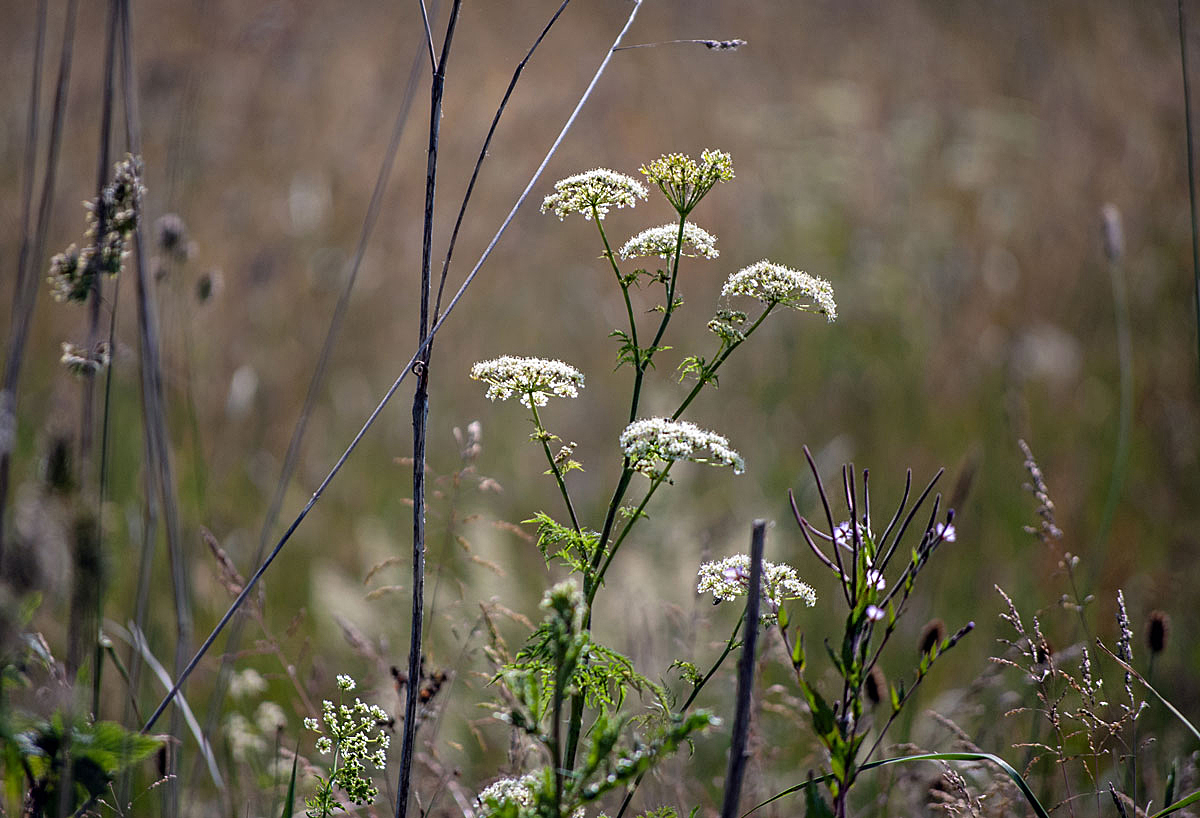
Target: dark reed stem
154, 399
24, 304
420, 420
252, 582
745, 685
96, 294
25, 286
291, 457
462, 210
1191, 165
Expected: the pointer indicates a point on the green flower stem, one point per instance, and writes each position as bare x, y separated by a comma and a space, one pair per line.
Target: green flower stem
608, 254
592, 586
598, 580
543, 436
662, 325
711, 370
730, 645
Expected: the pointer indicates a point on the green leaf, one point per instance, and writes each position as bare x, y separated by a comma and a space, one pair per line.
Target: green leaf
289, 800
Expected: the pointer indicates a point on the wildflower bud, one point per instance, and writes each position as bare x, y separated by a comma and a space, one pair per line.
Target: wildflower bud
1157, 630
932, 636
1112, 232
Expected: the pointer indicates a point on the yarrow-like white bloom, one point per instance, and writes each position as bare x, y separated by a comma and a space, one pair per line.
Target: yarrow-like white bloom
773, 283
660, 241
875, 580
529, 378
595, 191
875, 613
730, 578
651, 439
519, 791
684, 181
945, 531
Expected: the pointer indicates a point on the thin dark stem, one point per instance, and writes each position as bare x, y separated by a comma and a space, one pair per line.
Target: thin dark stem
153, 393
462, 210
252, 582
96, 290
317, 381
1191, 164
745, 686
30, 256
837, 556
420, 420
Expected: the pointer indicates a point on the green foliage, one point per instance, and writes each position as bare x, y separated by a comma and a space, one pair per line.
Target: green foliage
56, 752
576, 549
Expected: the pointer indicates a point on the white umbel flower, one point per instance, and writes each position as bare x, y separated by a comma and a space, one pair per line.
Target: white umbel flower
660, 241
529, 378
730, 578
773, 283
595, 190
653, 439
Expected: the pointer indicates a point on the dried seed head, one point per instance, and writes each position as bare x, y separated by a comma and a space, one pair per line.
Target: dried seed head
932, 636
1157, 629
875, 686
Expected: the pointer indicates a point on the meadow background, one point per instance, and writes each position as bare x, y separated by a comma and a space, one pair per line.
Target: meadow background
943, 165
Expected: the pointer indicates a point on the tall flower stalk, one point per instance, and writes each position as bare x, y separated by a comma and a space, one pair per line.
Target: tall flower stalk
650, 446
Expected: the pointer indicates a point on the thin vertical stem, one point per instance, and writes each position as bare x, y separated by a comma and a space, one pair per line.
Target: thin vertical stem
23, 304
745, 686
1191, 165
420, 419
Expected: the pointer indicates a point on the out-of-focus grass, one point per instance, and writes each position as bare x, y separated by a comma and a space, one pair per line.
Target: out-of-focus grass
944, 166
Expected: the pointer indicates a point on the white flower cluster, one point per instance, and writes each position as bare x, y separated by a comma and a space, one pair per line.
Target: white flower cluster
593, 191
350, 734
533, 379
775, 284
518, 791
730, 578
660, 241
645, 441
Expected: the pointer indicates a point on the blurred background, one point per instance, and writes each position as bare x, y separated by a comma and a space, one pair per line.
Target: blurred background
943, 165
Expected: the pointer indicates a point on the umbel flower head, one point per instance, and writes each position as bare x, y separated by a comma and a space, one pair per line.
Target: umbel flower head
661, 439
355, 735
519, 792
773, 284
595, 191
533, 379
684, 181
730, 578
660, 241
